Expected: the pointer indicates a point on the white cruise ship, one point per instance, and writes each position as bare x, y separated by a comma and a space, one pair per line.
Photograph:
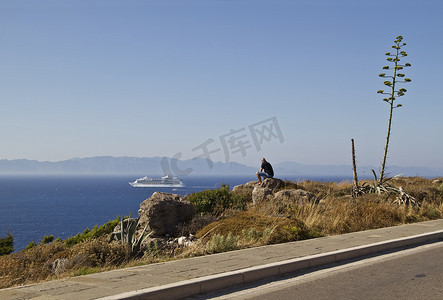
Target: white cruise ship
165, 181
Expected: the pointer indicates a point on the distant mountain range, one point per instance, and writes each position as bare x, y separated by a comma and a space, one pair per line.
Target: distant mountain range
154, 166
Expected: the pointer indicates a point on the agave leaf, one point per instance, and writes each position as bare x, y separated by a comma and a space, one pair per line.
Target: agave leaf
132, 227
378, 189
122, 237
142, 237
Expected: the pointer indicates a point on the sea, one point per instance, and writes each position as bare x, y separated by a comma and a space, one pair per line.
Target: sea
33, 206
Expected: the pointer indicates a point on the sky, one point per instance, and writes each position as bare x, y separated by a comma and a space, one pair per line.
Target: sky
229, 80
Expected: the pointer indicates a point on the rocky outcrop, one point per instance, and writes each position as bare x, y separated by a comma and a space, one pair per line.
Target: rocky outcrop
245, 188
260, 194
271, 190
163, 212
273, 184
59, 265
183, 241
295, 195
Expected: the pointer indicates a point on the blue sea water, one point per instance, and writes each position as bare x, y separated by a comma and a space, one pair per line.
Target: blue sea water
34, 206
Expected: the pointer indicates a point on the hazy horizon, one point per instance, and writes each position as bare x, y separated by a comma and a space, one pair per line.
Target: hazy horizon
157, 166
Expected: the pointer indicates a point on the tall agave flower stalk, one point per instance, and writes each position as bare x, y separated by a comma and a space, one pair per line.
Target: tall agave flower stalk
393, 79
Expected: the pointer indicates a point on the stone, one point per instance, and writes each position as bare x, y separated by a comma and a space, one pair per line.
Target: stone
186, 241
296, 195
163, 212
273, 183
59, 265
245, 189
260, 194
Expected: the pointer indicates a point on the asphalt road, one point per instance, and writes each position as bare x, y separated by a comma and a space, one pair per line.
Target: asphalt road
415, 273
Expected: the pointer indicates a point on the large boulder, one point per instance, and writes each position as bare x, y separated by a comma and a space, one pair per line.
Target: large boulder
270, 183
245, 188
273, 183
163, 212
59, 266
260, 194
294, 195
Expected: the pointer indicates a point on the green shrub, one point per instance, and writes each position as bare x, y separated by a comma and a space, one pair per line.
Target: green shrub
7, 245
47, 239
95, 232
30, 245
433, 213
219, 243
216, 201
254, 237
86, 271
251, 234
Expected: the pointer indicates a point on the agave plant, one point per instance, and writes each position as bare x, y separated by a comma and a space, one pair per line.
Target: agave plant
384, 187
128, 234
379, 186
405, 198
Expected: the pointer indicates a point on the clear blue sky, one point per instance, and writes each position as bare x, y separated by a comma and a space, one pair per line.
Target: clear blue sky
156, 78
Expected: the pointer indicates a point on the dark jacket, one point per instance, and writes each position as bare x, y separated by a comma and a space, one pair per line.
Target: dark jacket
267, 168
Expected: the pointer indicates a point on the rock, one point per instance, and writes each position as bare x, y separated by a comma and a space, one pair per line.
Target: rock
259, 194
185, 241
59, 265
273, 183
163, 212
247, 187
296, 195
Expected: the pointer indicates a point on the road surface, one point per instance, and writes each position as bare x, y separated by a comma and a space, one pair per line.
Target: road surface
415, 273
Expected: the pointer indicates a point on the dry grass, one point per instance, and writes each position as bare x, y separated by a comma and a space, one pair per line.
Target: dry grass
36, 264
333, 211
339, 213
345, 214
246, 229
280, 229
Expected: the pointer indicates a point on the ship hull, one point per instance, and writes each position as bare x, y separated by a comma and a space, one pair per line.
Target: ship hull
155, 185
166, 181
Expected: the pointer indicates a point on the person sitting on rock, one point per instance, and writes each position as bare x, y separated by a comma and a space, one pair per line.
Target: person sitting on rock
268, 171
